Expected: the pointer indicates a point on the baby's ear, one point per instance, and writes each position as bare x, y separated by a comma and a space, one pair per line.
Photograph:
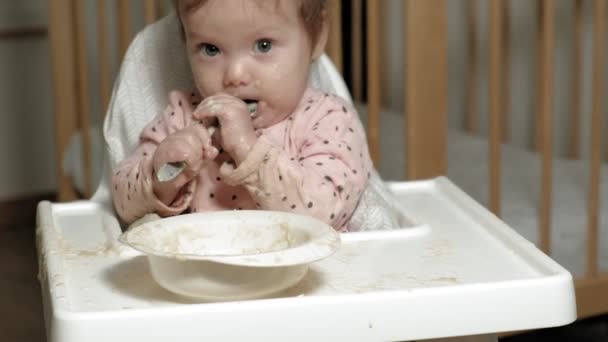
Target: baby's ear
321, 42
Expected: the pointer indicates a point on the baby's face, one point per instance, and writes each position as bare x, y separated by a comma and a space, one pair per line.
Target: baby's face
255, 50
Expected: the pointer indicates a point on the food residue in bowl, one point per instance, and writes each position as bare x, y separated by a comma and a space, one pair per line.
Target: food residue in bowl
190, 239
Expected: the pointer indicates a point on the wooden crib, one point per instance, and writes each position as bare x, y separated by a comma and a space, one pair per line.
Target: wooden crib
425, 97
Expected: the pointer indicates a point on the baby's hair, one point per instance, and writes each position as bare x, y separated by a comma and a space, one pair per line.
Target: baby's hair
312, 12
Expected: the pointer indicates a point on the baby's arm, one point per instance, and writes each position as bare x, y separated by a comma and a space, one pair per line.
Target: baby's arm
171, 135
322, 170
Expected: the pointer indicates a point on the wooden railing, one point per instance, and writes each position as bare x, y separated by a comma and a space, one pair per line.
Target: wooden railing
68, 35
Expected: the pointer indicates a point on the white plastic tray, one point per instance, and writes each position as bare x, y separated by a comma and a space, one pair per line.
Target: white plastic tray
463, 272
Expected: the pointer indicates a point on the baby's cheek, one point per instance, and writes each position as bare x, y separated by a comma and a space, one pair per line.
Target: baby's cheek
207, 81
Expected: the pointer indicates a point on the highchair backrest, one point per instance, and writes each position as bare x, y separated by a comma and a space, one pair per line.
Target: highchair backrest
156, 63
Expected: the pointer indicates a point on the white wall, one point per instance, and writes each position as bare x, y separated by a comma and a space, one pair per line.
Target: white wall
523, 55
22, 13
27, 149
26, 140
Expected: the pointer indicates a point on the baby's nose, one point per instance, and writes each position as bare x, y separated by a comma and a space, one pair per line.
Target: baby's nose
236, 74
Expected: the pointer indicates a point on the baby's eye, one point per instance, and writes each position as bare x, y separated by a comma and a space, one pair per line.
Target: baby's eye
263, 45
209, 49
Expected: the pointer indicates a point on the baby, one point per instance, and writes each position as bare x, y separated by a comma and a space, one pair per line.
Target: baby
261, 138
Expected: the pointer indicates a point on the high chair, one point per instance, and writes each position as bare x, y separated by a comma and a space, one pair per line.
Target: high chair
455, 271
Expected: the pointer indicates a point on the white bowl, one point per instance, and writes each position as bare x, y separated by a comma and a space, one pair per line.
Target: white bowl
230, 255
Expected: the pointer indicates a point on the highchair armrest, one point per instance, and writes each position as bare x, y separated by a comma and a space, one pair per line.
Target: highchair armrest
461, 272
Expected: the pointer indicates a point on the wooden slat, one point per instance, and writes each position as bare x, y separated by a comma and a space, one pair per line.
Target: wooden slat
64, 95
496, 100
334, 44
124, 26
150, 11
357, 49
599, 41
104, 57
575, 120
84, 101
471, 116
538, 132
373, 79
385, 42
506, 69
546, 106
591, 298
426, 87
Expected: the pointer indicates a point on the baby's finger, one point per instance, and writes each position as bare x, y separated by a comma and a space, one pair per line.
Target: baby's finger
170, 151
202, 133
204, 136
216, 106
211, 104
210, 152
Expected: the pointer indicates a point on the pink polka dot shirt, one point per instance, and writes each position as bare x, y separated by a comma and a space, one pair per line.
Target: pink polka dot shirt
315, 162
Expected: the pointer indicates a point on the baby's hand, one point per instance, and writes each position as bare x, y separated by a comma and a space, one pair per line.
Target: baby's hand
191, 145
236, 129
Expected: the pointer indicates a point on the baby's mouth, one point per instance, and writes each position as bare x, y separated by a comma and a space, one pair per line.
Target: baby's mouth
252, 106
